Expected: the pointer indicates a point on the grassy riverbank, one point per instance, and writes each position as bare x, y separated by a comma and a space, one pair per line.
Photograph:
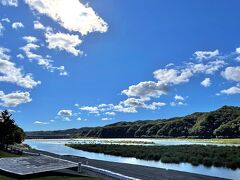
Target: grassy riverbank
234, 141
194, 154
4, 154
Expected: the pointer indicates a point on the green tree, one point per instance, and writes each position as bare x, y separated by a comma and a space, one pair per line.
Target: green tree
10, 132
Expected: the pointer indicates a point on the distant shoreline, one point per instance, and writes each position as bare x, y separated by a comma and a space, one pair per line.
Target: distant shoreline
227, 141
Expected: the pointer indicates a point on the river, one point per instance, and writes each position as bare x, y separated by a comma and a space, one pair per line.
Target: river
57, 146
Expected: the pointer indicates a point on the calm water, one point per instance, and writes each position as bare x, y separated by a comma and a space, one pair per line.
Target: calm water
57, 146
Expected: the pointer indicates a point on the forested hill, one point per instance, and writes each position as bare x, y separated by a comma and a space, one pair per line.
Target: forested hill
223, 122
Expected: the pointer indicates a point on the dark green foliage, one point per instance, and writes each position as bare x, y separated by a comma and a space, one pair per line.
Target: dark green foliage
219, 156
229, 129
10, 133
224, 122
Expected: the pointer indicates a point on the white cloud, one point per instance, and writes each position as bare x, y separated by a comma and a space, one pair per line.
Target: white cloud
3, 53
133, 102
65, 113
10, 73
30, 39
173, 76
17, 25
177, 103
5, 20
146, 89
79, 119
106, 119
90, 109
120, 108
178, 76
20, 56
209, 68
201, 55
38, 25
63, 41
9, 2
231, 91
1, 29
238, 50
14, 99
45, 62
178, 98
206, 82
155, 105
111, 113
232, 73
41, 122
140, 103
73, 16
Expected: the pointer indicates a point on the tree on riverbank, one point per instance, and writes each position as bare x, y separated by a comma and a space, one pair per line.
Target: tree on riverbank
10, 132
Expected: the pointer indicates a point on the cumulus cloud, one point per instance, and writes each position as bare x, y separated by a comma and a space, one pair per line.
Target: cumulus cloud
154, 105
146, 89
73, 16
45, 62
232, 73
38, 25
90, 109
178, 98
238, 50
209, 68
14, 99
9, 2
10, 73
65, 114
231, 91
206, 82
201, 55
63, 41
30, 39
133, 102
182, 75
17, 25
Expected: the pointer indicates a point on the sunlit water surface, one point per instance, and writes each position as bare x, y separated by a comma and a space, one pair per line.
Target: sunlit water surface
57, 146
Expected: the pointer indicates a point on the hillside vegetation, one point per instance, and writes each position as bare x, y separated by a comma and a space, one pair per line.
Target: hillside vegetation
223, 122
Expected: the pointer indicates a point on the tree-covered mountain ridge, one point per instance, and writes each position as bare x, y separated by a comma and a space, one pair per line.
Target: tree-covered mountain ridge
223, 122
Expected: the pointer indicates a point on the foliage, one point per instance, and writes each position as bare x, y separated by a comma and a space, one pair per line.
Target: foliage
10, 132
224, 122
220, 156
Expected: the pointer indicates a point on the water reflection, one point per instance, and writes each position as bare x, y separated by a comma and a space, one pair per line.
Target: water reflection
57, 146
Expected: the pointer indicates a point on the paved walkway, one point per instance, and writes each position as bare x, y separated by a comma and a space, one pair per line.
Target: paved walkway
136, 171
33, 164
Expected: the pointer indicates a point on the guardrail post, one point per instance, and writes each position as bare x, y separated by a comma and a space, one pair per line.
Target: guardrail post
79, 167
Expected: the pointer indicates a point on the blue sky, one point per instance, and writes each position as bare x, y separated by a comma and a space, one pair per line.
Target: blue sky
91, 63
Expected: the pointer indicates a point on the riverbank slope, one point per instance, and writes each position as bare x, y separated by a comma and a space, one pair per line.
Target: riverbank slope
136, 171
